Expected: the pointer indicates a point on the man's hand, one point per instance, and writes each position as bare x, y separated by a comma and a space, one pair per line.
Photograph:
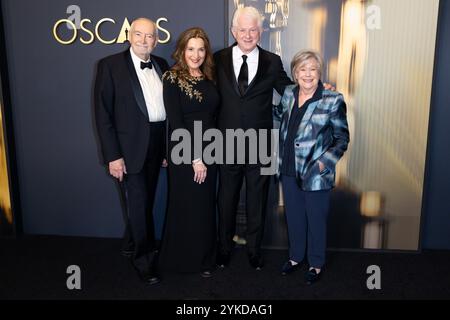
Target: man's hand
164, 163
328, 86
117, 169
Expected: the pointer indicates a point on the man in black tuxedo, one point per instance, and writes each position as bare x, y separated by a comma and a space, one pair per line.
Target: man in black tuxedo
130, 119
246, 77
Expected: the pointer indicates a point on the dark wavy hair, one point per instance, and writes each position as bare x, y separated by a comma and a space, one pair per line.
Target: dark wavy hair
181, 67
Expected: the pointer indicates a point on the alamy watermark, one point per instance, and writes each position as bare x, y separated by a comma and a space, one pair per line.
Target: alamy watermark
75, 16
374, 280
73, 282
373, 17
236, 146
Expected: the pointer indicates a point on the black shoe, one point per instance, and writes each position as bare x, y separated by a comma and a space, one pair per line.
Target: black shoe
256, 262
150, 278
206, 274
127, 253
289, 268
223, 260
312, 276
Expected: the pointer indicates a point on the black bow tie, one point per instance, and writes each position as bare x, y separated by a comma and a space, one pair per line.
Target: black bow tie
146, 65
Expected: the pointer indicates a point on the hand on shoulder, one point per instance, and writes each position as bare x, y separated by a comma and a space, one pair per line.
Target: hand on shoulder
328, 86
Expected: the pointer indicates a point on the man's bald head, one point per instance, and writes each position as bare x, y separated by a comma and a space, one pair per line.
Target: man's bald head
144, 21
143, 37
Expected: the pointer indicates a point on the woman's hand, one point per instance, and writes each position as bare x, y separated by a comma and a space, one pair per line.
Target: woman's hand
199, 171
321, 166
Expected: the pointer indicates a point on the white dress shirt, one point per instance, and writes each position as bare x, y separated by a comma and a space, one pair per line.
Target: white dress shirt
151, 88
252, 62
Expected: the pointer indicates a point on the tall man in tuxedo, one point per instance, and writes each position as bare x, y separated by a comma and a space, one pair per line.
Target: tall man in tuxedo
130, 119
246, 77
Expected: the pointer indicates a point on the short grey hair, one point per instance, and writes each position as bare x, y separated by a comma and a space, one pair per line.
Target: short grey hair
147, 20
248, 11
301, 57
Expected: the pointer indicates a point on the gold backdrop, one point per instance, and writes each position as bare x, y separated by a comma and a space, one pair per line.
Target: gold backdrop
6, 218
380, 55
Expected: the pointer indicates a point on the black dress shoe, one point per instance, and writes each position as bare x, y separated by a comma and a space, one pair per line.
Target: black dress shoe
312, 276
153, 279
206, 274
223, 260
150, 278
127, 253
256, 262
288, 267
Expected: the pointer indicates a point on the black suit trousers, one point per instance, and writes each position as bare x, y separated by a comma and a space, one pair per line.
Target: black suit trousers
138, 194
257, 186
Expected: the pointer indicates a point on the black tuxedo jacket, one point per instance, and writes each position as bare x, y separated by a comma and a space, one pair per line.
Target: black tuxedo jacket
120, 110
254, 108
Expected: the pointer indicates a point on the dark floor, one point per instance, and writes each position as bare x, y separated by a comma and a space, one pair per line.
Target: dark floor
35, 268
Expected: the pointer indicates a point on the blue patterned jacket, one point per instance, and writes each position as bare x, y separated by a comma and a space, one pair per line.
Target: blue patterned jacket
322, 135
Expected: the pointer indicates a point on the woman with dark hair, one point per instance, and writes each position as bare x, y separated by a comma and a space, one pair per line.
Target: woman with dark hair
190, 99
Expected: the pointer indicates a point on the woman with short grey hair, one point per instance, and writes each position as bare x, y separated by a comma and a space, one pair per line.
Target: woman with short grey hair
302, 57
313, 137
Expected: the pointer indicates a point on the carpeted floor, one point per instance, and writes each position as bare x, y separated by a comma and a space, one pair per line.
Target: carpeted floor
34, 267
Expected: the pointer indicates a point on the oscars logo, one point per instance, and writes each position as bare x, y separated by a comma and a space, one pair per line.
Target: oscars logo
87, 31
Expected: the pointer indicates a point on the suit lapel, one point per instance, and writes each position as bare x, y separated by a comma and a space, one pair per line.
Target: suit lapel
263, 66
156, 66
317, 97
137, 90
291, 100
289, 96
229, 69
306, 118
